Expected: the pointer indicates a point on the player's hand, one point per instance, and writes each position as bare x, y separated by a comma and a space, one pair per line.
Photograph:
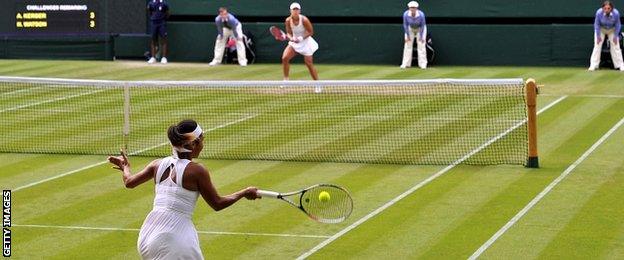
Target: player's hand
251, 193
421, 39
598, 40
121, 162
219, 37
297, 39
616, 39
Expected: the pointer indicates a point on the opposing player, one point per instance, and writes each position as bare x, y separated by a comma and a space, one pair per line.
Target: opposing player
607, 23
228, 25
168, 231
299, 31
159, 12
415, 28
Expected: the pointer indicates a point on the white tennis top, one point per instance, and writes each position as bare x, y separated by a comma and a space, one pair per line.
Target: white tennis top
299, 29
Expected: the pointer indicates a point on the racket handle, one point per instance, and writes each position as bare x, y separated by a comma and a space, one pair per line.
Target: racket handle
269, 194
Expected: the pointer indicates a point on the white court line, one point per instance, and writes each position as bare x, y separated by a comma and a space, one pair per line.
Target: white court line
134, 153
199, 231
21, 90
49, 101
589, 95
544, 192
420, 185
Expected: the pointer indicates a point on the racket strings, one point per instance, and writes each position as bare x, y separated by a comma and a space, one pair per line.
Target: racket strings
334, 209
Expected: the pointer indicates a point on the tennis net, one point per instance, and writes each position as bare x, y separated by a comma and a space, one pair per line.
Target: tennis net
371, 121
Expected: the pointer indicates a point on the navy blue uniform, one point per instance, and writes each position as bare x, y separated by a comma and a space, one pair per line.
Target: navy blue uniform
158, 17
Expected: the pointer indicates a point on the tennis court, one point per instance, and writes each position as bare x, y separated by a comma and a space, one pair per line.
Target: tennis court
75, 206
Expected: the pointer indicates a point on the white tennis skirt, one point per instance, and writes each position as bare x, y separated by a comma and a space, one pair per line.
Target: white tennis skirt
306, 47
168, 235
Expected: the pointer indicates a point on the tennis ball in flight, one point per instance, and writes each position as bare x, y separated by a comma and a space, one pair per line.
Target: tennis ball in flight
324, 196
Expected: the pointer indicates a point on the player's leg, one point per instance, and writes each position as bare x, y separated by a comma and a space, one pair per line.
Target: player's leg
240, 46
219, 48
164, 43
595, 57
421, 48
309, 62
616, 51
408, 49
288, 54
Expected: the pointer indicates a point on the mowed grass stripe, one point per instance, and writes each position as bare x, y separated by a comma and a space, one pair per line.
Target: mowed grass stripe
293, 221
55, 71
263, 131
380, 128
479, 225
578, 217
227, 141
46, 127
303, 123
94, 240
37, 96
554, 143
428, 237
24, 168
337, 126
149, 128
447, 134
417, 126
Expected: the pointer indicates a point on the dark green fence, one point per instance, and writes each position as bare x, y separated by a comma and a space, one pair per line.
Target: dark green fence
476, 32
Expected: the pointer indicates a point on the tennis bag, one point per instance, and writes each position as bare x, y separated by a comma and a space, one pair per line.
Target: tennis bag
250, 50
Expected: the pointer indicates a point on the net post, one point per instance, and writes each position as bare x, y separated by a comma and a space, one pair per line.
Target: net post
126, 126
531, 101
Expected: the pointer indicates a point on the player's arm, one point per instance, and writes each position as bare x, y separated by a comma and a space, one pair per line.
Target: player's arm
209, 192
309, 28
132, 180
288, 29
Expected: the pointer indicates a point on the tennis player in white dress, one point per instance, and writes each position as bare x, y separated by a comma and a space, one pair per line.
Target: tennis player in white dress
168, 231
299, 30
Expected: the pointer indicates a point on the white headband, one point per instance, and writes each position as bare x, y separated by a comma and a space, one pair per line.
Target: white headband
193, 136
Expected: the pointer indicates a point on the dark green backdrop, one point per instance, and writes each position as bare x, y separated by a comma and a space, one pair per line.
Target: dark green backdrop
468, 32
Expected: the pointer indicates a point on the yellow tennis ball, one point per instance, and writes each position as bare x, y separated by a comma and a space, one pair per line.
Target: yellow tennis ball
324, 196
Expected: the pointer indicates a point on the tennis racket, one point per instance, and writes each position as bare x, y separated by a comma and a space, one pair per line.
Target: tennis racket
325, 203
278, 34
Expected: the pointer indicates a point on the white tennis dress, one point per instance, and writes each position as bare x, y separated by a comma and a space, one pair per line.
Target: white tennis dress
308, 46
168, 231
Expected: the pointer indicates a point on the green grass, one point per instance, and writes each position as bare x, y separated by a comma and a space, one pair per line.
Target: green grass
448, 218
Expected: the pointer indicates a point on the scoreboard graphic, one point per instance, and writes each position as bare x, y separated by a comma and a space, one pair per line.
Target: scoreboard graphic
72, 17
57, 18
